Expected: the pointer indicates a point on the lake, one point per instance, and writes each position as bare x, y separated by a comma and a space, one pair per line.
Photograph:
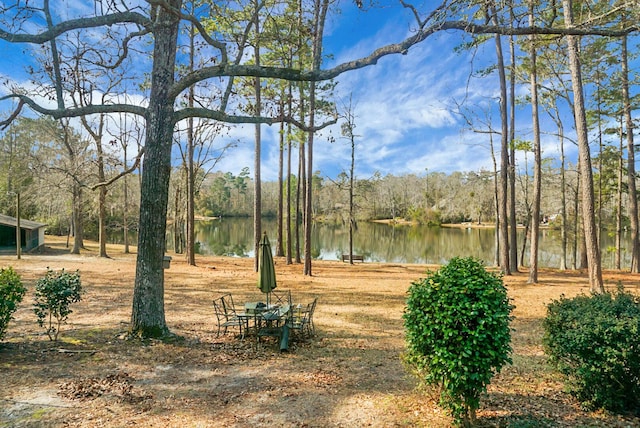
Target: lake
388, 244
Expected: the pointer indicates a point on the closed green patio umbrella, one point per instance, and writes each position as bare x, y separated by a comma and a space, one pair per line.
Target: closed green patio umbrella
266, 271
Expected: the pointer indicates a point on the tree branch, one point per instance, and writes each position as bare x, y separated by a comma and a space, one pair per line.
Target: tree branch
125, 49
122, 174
76, 24
244, 70
222, 47
223, 117
69, 112
5, 123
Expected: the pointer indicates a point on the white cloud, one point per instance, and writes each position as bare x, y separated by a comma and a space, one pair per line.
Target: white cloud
403, 109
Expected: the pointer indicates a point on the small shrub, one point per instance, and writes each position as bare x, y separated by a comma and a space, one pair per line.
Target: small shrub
458, 335
595, 341
11, 293
55, 292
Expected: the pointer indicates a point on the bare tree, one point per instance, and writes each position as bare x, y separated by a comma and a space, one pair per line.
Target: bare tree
347, 129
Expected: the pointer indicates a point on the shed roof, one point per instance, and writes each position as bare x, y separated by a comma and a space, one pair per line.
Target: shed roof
24, 224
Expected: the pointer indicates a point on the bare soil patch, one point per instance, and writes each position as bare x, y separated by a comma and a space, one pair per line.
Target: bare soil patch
349, 375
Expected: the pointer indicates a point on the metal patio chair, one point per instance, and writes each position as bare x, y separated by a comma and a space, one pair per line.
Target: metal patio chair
281, 298
302, 320
226, 315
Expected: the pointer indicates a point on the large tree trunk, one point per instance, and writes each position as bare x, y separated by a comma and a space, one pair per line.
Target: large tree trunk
588, 199
147, 316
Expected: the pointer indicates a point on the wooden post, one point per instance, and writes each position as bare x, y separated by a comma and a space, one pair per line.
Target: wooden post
18, 234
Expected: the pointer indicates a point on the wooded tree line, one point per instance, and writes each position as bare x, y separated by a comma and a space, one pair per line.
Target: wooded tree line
432, 198
175, 68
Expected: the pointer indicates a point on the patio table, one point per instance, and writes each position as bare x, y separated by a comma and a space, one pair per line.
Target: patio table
255, 313
267, 321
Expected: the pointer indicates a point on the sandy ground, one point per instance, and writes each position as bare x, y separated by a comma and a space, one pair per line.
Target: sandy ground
349, 375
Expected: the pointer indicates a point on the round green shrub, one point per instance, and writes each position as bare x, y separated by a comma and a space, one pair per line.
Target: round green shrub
595, 342
458, 334
11, 293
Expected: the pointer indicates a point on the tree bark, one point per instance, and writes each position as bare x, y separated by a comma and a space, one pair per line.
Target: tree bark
147, 316
588, 199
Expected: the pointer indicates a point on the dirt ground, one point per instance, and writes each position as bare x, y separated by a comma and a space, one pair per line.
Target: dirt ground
349, 375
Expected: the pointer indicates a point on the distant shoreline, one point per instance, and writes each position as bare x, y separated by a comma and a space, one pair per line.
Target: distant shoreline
469, 225
465, 225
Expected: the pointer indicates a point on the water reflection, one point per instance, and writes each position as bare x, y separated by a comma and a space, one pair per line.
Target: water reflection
383, 243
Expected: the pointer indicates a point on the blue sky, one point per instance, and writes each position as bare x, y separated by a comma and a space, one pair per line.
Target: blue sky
404, 121
404, 105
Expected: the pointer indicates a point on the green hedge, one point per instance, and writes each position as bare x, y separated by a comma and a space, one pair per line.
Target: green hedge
595, 341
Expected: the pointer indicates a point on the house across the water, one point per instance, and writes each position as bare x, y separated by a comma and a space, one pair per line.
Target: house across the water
31, 235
